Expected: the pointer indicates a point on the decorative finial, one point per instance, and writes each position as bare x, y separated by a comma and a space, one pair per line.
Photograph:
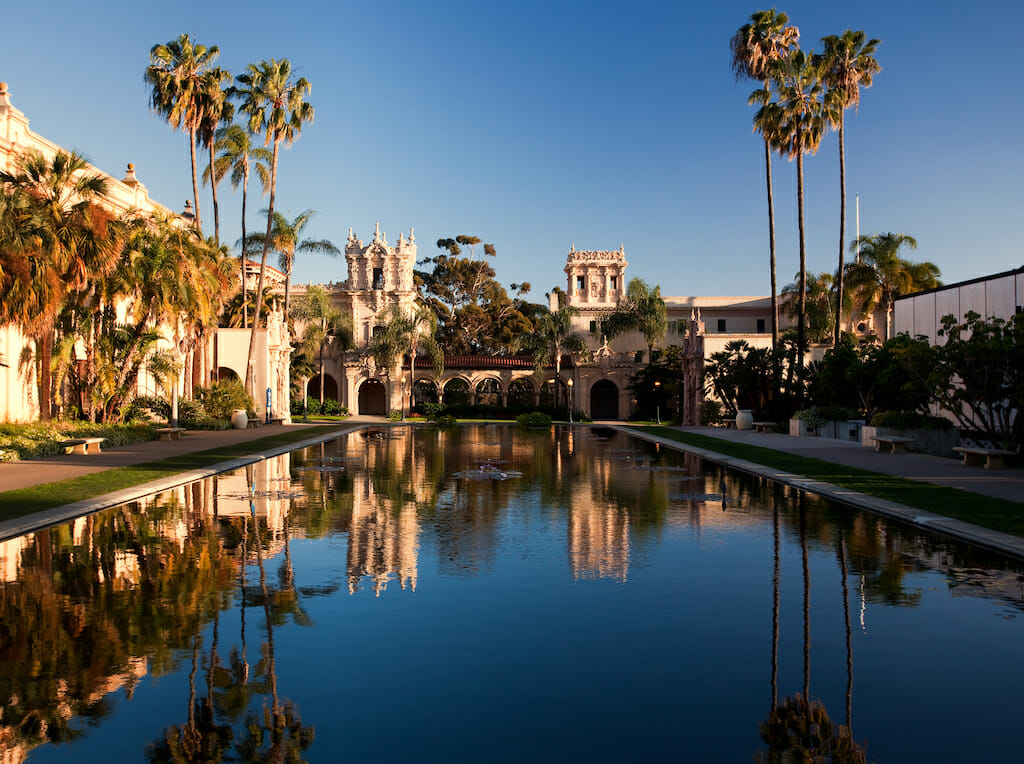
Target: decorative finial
3, 87
376, 231
187, 212
411, 237
131, 167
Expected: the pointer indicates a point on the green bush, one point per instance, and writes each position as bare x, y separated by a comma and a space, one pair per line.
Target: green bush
33, 441
710, 413
534, 419
329, 408
395, 416
910, 420
221, 398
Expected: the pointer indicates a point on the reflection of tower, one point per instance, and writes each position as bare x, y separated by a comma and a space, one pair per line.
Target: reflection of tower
598, 533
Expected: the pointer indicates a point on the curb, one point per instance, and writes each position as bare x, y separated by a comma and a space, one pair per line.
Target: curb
1003, 543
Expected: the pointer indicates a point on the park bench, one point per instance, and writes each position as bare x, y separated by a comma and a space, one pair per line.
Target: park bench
993, 458
254, 423
83, 445
169, 433
276, 420
892, 444
764, 426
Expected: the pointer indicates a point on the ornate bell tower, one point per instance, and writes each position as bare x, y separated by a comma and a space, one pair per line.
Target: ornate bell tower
596, 279
379, 276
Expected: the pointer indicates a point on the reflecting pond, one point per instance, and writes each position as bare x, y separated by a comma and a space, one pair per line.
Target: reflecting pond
488, 594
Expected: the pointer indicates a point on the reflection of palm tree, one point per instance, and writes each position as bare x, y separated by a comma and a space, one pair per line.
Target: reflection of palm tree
849, 634
775, 604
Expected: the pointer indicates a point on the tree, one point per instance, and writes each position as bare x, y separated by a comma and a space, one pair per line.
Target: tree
401, 334
285, 241
756, 47
215, 109
324, 323
178, 83
276, 106
642, 310
65, 239
818, 305
239, 156
848, 63
795, 126
882, 275
552, 338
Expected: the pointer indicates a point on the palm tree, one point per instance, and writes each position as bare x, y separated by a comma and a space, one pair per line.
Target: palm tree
67, 242
285, 241
848, 64
795, 126
276, 106
216, 110
819, 310
324, 322
241, 157
402, 334
177, 79
756, 47
882, 275
642, 310
553, 336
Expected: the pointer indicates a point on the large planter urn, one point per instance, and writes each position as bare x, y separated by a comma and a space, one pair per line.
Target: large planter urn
239, 419
744, 419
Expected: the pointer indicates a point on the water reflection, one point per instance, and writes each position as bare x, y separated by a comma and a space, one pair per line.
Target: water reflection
199, 585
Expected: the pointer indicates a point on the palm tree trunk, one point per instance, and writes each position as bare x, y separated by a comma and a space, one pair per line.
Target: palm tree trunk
322, 342
216, 208
287, 292
195, 179
245, 189
250, 380
771, 242
44, 345
802, 300
842, 234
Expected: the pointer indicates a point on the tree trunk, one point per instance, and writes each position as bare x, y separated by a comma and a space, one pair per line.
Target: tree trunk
250, 378
195, 179
287, 292
216, 208
802, 300
771, 242
245, 189
44, 347
322, 343
842, 233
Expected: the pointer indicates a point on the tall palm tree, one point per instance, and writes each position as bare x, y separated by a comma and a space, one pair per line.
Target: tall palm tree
286, 240
848, 63
755, 48
239, 156
553, 337
819, 310
276, 107
642, 310
216, 110
177, 79
67, 242
882, 275
401, 334
324, 323
795, 125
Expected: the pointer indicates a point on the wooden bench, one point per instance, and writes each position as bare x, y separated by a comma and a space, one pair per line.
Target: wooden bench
254, 423
83, 445
892, 444
169, 433
764, 426
993, 458
276, 420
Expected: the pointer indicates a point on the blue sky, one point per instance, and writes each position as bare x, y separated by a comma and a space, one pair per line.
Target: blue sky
539, 125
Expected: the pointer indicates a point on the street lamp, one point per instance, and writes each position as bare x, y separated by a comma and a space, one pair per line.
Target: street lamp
657, 399
403, 398
569, 383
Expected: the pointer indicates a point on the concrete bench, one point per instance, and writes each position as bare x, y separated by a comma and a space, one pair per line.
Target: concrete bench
254, 423
169, 433
764, 426
892, 444
276, 420
993, 458
83, 445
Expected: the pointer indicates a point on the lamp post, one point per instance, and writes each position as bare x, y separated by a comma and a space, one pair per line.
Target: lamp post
569, 383
657, 399
403, 398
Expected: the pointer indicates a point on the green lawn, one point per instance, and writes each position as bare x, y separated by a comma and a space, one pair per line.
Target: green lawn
26, 501
997, 514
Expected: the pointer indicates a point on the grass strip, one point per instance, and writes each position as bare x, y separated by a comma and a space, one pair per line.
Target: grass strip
989, 512
27, 501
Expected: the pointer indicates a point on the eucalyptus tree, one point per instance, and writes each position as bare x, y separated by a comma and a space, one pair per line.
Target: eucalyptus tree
276, 107
795, 125
65, 240
177, 78
848, 63
642, 310
215, 110
239, 156
882, 275
756, 47
286, 240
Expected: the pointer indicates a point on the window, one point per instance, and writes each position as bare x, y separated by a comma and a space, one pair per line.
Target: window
581, 283
593, 327
760, 326
377, 329
639, 357
721, 325
614, 282
378, 278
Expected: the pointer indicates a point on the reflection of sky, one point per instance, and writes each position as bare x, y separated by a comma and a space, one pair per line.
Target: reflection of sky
507, 651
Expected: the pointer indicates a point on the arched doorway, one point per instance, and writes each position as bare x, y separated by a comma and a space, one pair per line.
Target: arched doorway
457, 392
224, 373
520, 394
372, 398
330, 388
604, 400
552, 397
424, 391
488, 393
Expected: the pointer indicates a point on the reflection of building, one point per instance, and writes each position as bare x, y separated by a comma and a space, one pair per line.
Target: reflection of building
598, 539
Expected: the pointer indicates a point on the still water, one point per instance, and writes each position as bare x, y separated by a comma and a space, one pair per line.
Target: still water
488, 594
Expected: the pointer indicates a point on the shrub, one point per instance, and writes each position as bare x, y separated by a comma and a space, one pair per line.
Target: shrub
330, 407
31, 441
710, 412
910, 420
221, 398
534, 419
395, 416
816, 416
